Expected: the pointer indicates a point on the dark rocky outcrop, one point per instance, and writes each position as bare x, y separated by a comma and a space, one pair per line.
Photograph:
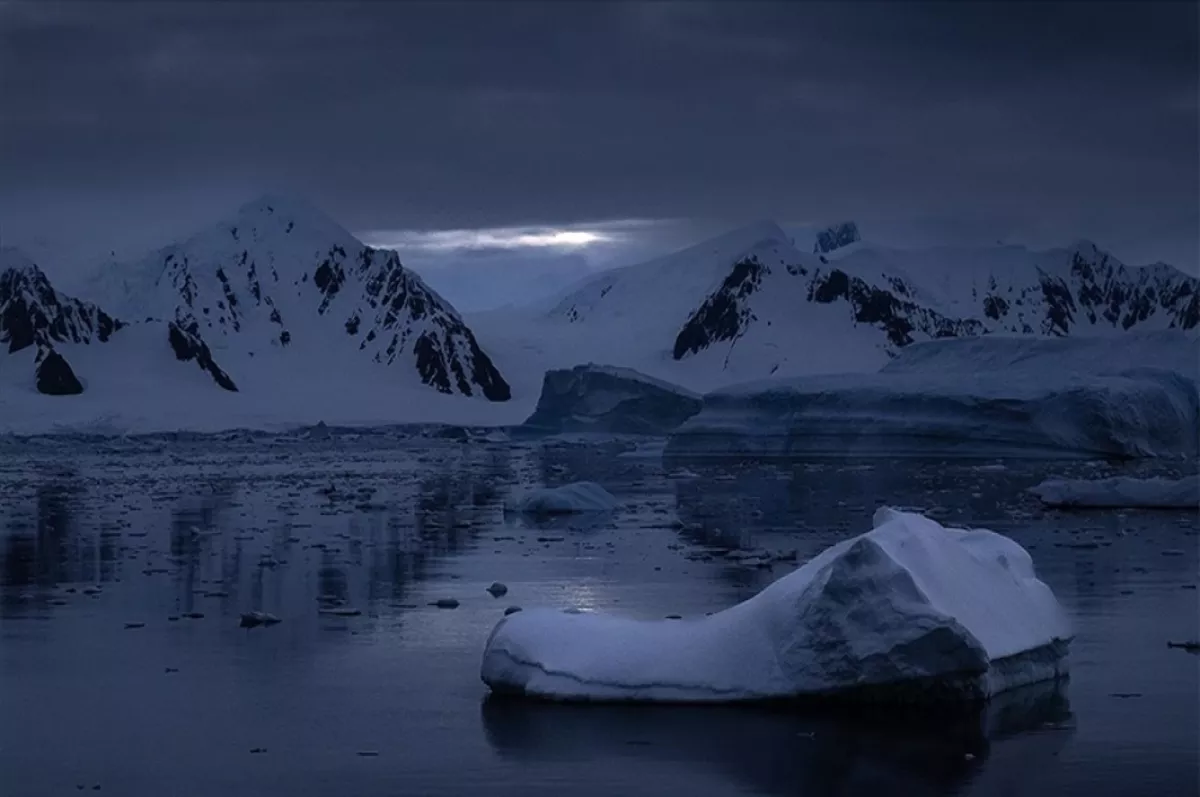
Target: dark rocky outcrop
188, 347
33, 312
898, 318
54, 375
724, 314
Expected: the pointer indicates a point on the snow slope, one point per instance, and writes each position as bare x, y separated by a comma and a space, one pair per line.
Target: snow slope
988, 396
757, 302
281, 282
910, 611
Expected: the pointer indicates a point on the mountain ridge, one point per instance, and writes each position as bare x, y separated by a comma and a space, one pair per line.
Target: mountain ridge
278, 273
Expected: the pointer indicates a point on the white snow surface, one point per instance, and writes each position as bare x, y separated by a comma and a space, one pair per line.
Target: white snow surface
987, 396
805, 315
1121, 492
279, 284
908, 609
568, 499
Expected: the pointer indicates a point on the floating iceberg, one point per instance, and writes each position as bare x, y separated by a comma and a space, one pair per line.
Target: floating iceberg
982, 397
566, 500
909, 612
1121, 492
609, 400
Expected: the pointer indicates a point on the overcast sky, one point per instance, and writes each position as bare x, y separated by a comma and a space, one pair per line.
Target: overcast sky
128, 123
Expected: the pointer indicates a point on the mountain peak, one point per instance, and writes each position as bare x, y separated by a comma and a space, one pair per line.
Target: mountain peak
276, 215
755, 232
277, 203
13, 258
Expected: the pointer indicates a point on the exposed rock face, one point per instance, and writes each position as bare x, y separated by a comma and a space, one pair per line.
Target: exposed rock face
598, 398
1059, 293
189, 347
33, 312
725, 314
54, 375
887, 310
281, 274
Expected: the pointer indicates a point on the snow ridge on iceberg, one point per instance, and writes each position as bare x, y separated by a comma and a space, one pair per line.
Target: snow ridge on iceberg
908, 612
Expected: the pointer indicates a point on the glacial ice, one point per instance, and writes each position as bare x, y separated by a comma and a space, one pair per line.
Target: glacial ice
1121, 492
610, 400
565, 500
983, 397
910, 611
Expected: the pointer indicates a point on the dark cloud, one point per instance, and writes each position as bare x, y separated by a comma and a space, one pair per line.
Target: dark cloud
1072, 119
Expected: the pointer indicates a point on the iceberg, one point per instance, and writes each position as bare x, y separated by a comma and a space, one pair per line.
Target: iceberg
909, 612
566, 500
609, 400
1120, 492
983, 397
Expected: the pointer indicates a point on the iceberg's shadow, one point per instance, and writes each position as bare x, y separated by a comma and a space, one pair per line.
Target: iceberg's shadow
780, 750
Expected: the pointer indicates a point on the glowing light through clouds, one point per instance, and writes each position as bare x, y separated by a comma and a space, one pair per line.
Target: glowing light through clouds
575, 237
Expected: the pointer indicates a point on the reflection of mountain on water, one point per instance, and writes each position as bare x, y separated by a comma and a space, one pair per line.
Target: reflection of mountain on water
41, 543
778, 751
256, 539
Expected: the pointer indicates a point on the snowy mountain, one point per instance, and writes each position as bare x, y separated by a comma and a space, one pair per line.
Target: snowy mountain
46, 331
288, 296
754, 303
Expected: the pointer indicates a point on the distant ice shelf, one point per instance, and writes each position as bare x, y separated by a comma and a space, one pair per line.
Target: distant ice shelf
982, 397
909, 612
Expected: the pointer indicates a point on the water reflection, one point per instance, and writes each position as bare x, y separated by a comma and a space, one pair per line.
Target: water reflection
778, 751
41, 546
253, 538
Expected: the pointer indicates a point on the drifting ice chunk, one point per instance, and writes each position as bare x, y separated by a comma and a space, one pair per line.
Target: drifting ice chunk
1121, 492
601, 398
910, 611
565, 500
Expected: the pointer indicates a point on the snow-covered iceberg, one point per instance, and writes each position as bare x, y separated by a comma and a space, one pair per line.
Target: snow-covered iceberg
1121, 492
568, 499
974, 397
908, 612
609, 400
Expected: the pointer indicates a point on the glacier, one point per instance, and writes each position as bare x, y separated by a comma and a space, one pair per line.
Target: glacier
910, 612
980, 397
1120, 492
609, 400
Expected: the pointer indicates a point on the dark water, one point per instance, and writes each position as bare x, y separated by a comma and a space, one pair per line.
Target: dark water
219, 527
